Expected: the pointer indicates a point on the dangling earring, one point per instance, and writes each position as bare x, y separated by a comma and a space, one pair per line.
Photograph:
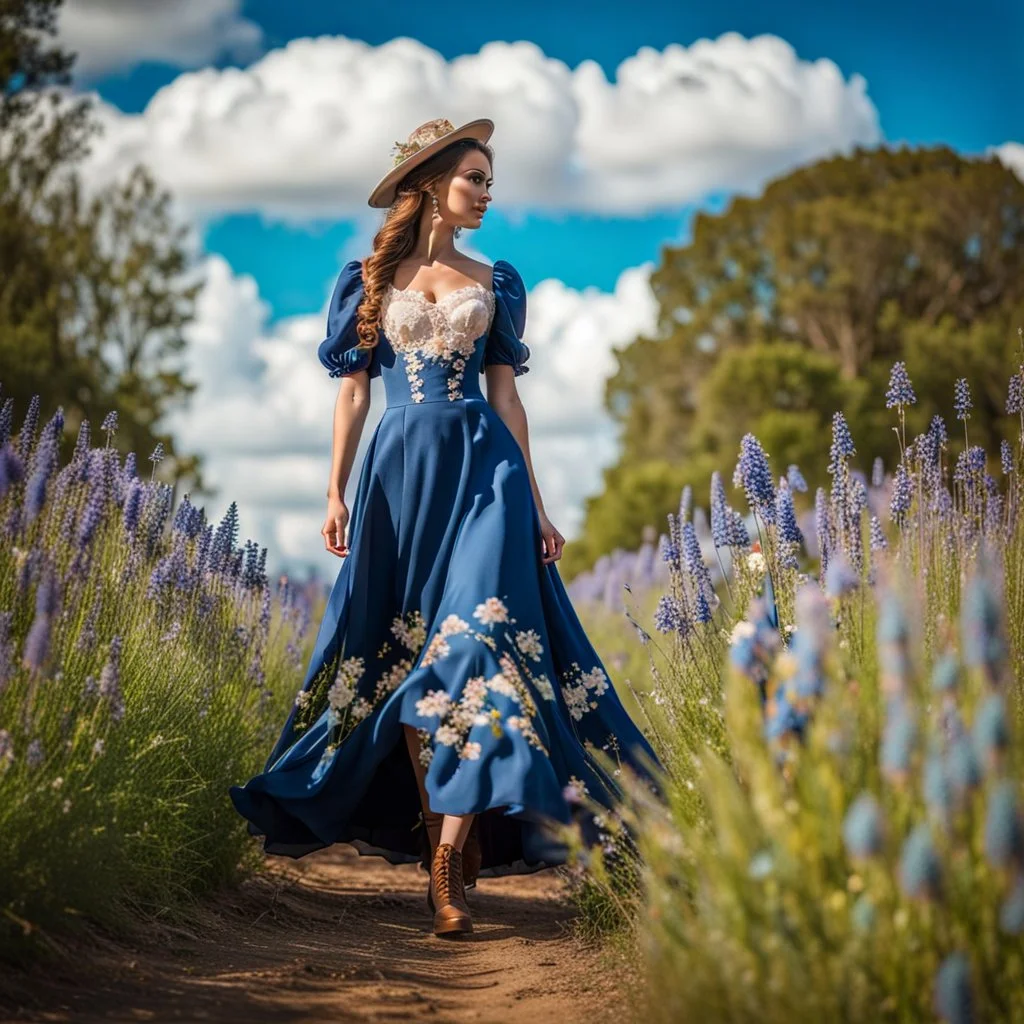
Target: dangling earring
437, 213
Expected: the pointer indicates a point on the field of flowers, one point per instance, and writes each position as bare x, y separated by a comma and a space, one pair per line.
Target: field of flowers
838, 704
146, 663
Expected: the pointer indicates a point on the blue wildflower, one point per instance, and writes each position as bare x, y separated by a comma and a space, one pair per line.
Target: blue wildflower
823, 526
902, 494
44, 462
109, 424
963, 767
991, 730
937, 430
133, 507
954, 999
795, 478
878, 541
900, 392
962, 399
27, 433
863, 828
920, 873
12, 469
877, 472
785, 515
1015, 394
840, 579
1006, 456
981, 630
719, 512
938, 791
1011, 913
669, 616
739, 536
898, 739
756, 477
842, 443
694, 561
970, 461
946, 673
1004, 830
6, 421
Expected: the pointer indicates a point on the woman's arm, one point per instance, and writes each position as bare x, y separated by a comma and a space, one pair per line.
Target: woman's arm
504, 399
350, 411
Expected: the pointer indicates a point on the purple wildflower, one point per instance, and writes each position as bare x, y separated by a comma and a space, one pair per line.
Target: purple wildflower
1015, 394
132, 509
962, 399
110, 680
878, 541
863, 828
694, 560
900, 392
739, 536
81, 442
12, 469
756, 477
795, 478
937, 429
920, 873
1004, 830
902, 494
785, 514
969, 462
109, 425
27, 434
840, 579
842, 443
877, 472
6, 421
44, 462
670, 617
954, 999
1006, 456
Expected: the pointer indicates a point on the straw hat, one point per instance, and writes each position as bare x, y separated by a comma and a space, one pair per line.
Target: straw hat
423, 143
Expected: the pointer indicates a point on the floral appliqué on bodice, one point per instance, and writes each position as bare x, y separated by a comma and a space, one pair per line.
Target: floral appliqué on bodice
446, 330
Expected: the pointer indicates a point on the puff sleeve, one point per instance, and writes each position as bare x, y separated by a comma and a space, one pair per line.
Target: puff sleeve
504, 341
338, 350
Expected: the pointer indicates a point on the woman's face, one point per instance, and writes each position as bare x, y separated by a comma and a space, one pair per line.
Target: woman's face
469, 190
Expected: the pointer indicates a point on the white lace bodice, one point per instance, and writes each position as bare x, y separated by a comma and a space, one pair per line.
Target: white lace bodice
446, 330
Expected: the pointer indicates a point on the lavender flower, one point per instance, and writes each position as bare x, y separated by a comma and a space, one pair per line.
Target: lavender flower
785, 515
1004, 830
27, 434
756, 477
1015, 394
877, 472
109, 425
969, 462
6, 421
954, 1001
1011, 913
900, 392
694, 561
902, 494
669, 616
962, 399
991, 731
840, 579
12, 470
1006, 456
937, 430
110, 680
842, 443
796, 479
739, 536
823, 527
34, 755
864, 828
919, 872
878, 541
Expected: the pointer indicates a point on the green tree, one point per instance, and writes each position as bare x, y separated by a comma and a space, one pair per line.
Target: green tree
796, 303
95, 289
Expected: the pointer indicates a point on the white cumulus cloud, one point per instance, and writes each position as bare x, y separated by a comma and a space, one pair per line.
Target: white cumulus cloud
307, 130
262, 414
1011, 154
110, 35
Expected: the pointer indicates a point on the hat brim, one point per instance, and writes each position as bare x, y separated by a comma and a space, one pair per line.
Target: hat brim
383, 194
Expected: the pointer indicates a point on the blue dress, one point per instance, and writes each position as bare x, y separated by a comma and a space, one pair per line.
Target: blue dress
443, 616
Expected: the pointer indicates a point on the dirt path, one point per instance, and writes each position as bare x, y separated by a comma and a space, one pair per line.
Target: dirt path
338, 937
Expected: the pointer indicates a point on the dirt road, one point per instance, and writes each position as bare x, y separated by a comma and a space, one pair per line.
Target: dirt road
338, 937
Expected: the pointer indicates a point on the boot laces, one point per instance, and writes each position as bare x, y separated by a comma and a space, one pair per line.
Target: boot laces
448, 881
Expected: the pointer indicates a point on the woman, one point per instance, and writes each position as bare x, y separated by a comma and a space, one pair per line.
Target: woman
452, 685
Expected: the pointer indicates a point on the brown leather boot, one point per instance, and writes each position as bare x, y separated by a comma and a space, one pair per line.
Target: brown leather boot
446, 895
471, 854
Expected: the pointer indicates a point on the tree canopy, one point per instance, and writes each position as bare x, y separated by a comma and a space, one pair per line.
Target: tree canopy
794, 304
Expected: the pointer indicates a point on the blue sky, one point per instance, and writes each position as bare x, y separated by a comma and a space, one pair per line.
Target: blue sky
614, 125
946, 73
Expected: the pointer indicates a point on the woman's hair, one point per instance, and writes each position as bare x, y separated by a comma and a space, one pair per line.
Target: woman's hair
398, 234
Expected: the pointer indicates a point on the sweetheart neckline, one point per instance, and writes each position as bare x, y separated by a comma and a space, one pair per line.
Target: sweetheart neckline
445, 297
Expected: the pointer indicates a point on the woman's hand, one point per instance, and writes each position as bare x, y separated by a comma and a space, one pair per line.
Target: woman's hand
553, 541
335, 527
